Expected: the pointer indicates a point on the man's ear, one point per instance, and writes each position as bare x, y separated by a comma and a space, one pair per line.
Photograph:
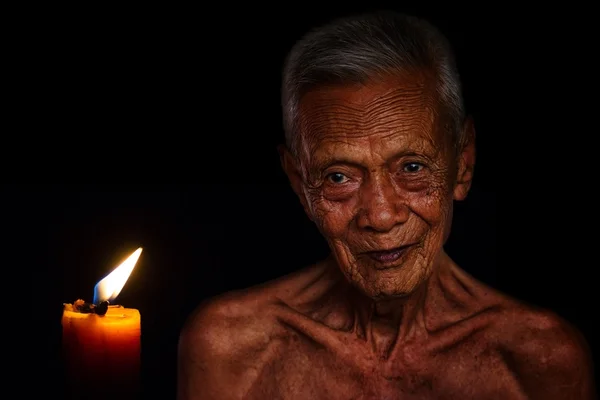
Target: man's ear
466, 161
292, 170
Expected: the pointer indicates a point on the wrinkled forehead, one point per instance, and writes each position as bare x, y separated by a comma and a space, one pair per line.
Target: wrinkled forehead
386, 113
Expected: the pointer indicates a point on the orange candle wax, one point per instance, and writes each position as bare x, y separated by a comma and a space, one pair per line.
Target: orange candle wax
101, 343
102, 352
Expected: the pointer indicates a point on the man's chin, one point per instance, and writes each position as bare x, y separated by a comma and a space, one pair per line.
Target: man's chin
397, 282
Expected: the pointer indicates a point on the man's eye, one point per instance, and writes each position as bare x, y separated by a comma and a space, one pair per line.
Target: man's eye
412, 167
337, 178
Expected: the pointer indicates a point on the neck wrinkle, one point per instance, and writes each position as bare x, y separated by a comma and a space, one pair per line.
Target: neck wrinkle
396, 321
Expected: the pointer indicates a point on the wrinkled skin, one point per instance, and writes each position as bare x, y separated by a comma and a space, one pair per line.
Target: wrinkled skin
377, 170
379, 174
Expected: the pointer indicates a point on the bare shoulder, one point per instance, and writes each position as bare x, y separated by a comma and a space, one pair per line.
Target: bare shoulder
214, 345
549, 356
222, 319
229, 338
223, 324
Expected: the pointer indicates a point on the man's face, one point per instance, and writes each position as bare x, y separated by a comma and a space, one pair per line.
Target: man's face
378, 174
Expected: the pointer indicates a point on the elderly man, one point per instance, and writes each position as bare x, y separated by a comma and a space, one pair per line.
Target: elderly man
377, 150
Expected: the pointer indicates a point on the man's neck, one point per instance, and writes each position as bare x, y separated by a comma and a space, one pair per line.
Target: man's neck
385, 322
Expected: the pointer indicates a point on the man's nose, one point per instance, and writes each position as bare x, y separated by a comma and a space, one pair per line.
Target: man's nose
382, 207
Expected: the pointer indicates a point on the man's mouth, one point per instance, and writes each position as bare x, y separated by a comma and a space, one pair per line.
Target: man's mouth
388, 256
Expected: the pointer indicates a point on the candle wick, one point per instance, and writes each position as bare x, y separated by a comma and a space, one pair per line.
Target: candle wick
90, 308
101, 308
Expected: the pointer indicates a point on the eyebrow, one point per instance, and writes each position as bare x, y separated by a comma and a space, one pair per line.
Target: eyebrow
347, 161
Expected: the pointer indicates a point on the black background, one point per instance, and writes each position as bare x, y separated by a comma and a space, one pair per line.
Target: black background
158, 128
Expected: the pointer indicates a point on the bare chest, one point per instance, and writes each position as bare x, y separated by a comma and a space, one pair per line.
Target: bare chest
305, 371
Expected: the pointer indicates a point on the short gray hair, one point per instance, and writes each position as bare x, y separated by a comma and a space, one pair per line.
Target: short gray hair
358, 48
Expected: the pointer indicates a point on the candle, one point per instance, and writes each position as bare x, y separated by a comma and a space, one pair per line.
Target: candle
101, 342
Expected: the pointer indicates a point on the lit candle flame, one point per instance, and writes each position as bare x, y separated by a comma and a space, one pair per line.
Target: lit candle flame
110, 286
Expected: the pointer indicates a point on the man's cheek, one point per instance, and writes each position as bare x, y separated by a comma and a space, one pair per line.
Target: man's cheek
331, 221
317, 212
332, 227
433, 206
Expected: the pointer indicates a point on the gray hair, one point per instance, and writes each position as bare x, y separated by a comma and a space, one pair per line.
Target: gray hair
356, 49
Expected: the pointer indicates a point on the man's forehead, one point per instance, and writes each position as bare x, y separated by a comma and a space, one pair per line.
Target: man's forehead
371, 94
378, 115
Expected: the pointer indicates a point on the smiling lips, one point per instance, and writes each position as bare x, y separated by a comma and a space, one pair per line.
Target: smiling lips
389, 256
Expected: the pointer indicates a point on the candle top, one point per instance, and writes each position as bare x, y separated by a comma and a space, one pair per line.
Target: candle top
84, 307
114, 313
